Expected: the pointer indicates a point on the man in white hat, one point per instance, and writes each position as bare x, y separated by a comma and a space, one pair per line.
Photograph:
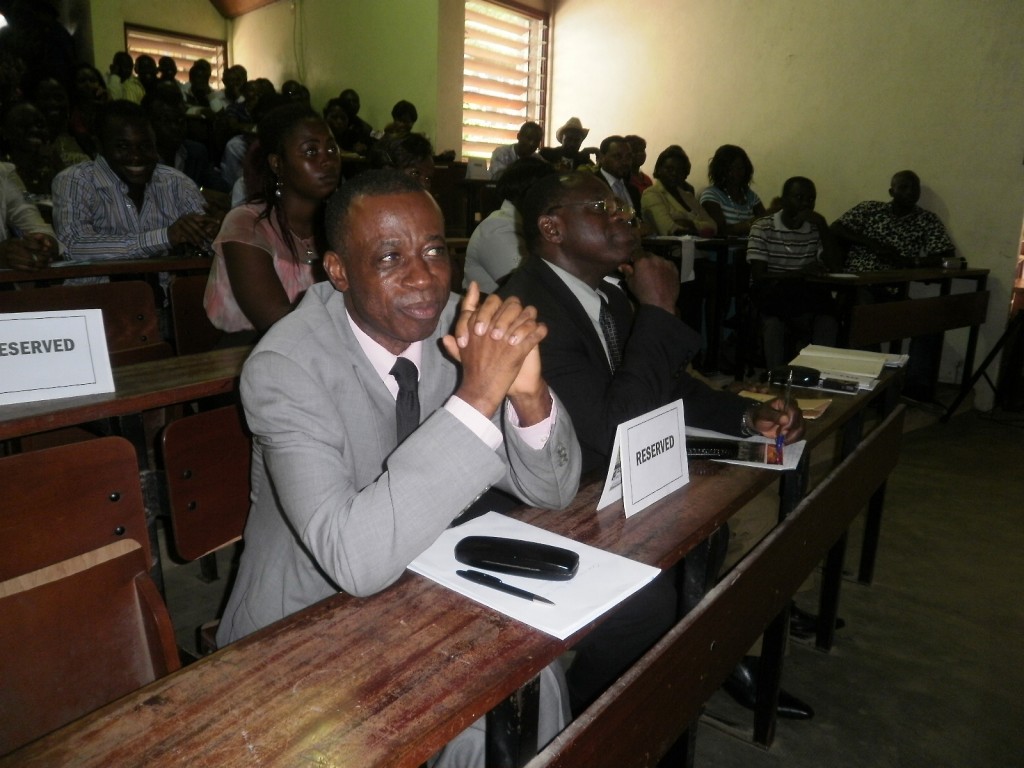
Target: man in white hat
571, 136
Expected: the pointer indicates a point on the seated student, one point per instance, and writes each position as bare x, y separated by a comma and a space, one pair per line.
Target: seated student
121, 83
26, 146
729, 200
610, 363
527, 142
51, 98
88, 94
638, 150
412, 155
368, 440
496, 246
268, 250
125, 204
403, 117
146, 72
200, 98
782, 249
359, 136
166, 110
26, 241
571, 137
898, 234
668, 207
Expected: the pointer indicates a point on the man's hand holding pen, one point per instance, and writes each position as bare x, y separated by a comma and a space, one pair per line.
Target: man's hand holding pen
777, 417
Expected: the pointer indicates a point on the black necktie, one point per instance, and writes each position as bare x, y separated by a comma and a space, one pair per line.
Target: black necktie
407, 404
611, 335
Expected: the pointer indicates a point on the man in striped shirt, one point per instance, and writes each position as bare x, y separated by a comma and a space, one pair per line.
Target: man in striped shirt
784, 248
123, 205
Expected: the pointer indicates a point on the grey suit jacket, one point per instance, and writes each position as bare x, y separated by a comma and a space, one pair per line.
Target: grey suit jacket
335, 505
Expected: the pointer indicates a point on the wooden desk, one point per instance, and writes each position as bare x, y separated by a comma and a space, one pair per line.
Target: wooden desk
112, 268
386, 680
864, 324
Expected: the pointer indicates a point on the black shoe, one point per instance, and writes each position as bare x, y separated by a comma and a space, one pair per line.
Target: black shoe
804, 625
742, 686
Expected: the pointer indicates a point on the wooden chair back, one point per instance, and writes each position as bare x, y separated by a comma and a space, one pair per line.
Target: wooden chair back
698, 653
207, 458
81, 621
129, 309
193, 331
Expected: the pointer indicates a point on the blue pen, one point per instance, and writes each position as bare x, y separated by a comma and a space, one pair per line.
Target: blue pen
780, 439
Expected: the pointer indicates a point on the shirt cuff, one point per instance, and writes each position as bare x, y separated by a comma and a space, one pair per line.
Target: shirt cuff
475, 421
535, 437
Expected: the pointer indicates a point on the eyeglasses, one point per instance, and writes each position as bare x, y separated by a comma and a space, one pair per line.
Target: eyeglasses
617, 208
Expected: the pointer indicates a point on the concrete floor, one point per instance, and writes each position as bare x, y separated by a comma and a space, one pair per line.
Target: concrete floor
929, 670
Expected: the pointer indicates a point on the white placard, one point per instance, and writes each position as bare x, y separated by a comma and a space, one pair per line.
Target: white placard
47, 355
648, 459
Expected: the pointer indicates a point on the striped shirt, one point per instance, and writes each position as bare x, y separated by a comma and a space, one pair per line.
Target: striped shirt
783, 249
95, 219
732, 211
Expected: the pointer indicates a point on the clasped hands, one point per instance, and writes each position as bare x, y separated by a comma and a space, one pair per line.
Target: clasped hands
496, 342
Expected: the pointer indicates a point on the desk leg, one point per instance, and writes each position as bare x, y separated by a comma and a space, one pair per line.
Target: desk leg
872, 530
828, 600
769, 678
512, 728
132, 428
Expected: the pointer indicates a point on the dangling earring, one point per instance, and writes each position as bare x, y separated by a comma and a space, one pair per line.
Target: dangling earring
279, 185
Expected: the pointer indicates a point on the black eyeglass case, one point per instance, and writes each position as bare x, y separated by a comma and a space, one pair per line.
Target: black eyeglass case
518, 557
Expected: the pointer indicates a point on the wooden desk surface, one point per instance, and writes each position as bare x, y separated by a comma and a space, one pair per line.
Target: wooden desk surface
895, 276
105, 269
382, 681
137, 388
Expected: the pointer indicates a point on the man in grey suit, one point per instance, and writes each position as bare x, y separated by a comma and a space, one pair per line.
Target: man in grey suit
339, 501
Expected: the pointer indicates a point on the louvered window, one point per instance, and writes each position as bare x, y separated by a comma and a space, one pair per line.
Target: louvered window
504, 74
184, 49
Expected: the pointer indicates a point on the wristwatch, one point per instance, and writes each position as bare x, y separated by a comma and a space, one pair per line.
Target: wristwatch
747, 426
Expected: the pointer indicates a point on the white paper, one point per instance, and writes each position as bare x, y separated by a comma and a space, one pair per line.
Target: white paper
791, 453
49, 355
602, 581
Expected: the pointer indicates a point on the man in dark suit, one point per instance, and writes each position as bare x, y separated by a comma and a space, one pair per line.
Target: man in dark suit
615, 166
610, 363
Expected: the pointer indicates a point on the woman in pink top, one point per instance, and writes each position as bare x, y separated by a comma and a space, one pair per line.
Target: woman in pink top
268, 250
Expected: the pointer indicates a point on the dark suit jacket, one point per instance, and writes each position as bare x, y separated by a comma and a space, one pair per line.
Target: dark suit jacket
634, 193
657, 348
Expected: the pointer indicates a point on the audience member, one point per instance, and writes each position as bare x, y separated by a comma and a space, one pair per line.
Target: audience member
146, 72
268, 251
358, 136
346, 492
51, 99
729, 200
571, 137
295, 91
121, 83
637, 178
403, 117
124, 205
337, 118
413, 156
199, 95
668, 207
26, 241
898, 234
168, 68
232, 164
615, 164
611, 363
88, 95
527, 142
496, 246
783, 248
166, 110
27, 147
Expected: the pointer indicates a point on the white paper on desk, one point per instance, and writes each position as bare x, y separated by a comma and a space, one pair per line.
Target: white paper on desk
50, 355
687, 253
602, 581
791, 453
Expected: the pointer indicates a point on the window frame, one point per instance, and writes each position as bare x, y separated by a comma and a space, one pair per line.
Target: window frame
218, 63
481, 137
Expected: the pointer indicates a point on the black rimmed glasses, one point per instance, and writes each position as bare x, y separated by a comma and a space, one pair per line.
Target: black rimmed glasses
603, 207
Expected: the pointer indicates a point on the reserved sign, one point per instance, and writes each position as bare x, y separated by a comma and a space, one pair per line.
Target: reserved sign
648, 459
46, 355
